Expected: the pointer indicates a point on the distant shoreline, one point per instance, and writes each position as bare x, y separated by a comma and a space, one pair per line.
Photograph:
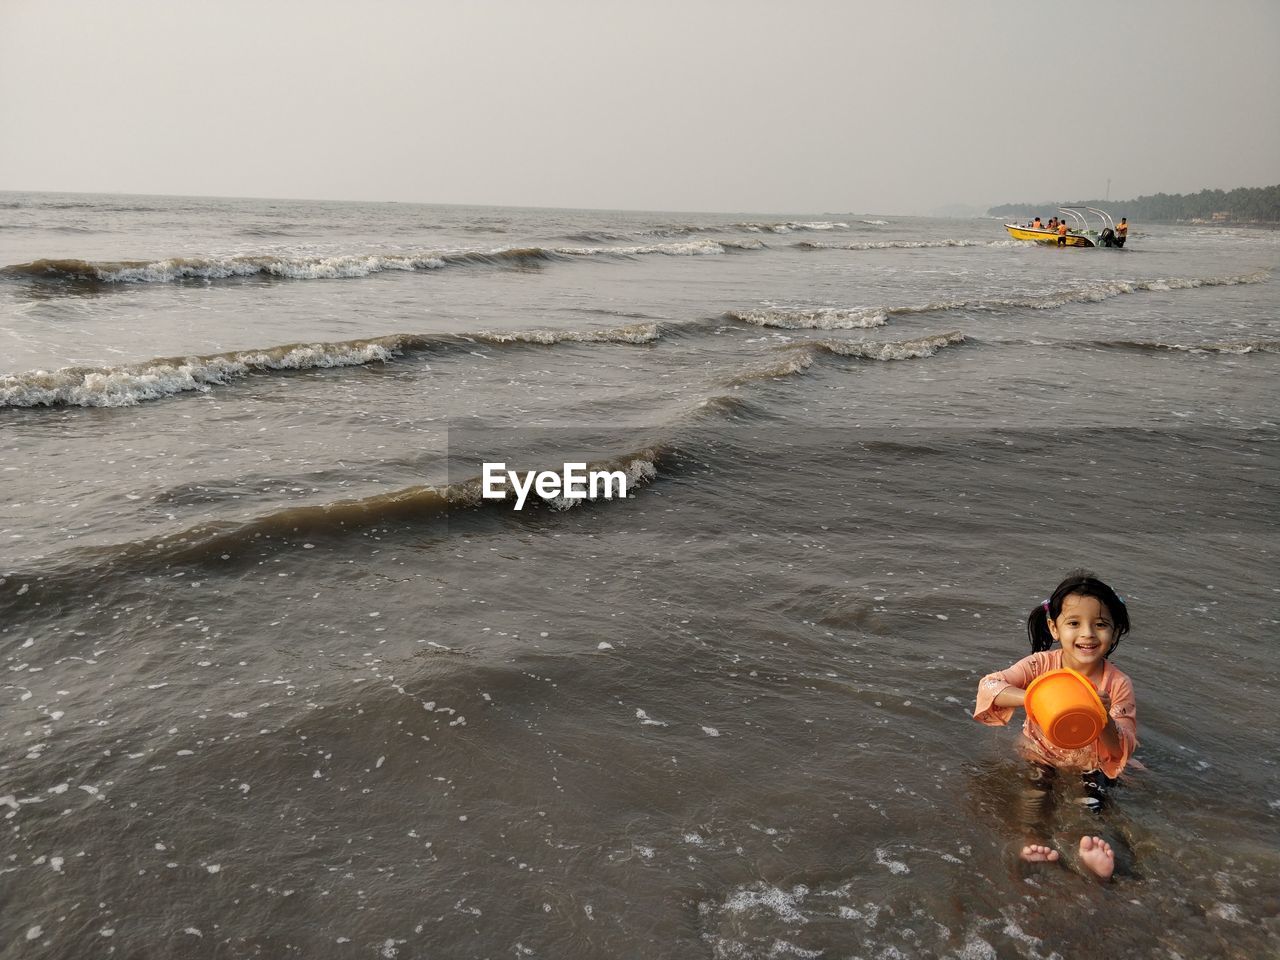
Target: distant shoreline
1252, 224
1239, 207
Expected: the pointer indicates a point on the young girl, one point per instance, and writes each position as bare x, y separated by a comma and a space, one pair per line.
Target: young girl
1087, 618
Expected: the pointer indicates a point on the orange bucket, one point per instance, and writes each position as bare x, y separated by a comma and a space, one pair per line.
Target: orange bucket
1064, 704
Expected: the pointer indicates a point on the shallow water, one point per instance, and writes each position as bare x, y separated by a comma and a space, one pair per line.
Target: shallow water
277, 684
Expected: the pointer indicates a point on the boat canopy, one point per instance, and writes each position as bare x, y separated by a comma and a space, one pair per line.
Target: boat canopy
1079, 217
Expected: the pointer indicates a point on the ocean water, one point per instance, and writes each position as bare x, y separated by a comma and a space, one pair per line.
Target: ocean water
279, 682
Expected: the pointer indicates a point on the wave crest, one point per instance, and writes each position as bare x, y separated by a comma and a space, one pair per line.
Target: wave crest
1093, 292
822, 318
1237, 347
635, 333
791, 363
889, 244
798, 357
177, 269
792, 226
891, 349
130, 384
340, 266
219, 540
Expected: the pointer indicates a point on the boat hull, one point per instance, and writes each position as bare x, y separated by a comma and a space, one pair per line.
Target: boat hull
1046, 236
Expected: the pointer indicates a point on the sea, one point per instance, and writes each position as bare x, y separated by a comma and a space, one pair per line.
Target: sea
280, 680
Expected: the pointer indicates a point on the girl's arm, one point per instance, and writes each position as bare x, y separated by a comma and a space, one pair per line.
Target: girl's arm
1120, 735
1010, 697
999, 693
1110, 739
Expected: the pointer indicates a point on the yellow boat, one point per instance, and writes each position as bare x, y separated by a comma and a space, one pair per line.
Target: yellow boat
1047, 236
1079, 235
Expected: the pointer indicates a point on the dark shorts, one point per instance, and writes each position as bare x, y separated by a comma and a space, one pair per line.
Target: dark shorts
1042, 781
1095, 784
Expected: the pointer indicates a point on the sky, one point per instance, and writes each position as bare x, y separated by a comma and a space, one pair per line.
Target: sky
893, 106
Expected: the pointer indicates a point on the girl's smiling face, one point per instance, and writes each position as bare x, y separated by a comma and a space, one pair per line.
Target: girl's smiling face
1086, 632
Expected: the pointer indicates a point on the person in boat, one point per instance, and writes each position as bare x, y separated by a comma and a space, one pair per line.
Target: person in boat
1036, 224
1063, 230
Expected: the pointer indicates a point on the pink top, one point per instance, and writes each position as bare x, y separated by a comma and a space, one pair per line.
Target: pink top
1124, 710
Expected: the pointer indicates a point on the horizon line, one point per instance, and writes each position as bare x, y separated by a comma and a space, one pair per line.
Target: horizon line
433, 203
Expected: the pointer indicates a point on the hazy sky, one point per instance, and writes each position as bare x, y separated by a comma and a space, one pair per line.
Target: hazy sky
891, 106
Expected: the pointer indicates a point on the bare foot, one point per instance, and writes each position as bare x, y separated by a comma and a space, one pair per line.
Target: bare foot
1097, 855
1034, 853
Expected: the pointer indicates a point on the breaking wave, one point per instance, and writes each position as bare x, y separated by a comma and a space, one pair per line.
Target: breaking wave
346, 266
1219, 347
890, 350
756, 226
799, 357
1098, 291
1091, 292
689, 248
797, 361
129, 384
823, 318
792, 226
221, 540
891, 244
221, 268
635, 333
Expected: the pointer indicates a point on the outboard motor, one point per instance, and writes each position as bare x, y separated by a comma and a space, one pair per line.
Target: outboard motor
1108, 238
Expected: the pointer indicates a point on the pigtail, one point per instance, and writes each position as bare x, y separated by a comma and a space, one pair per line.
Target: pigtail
1038, 627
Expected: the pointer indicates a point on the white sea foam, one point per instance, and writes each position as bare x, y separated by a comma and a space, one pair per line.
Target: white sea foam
1098, 291
637, 471
975, 948
793, 362
337, 266
1236, 347
129, 384
646, 720
822, 318
785, 948
1088, 292
635, 333
891, 244
870, 914
688, 248
895, 866
891, 349
785, 904
293, 268
791, 226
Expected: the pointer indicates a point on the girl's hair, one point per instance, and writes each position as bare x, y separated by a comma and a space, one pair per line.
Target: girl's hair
1084, 584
